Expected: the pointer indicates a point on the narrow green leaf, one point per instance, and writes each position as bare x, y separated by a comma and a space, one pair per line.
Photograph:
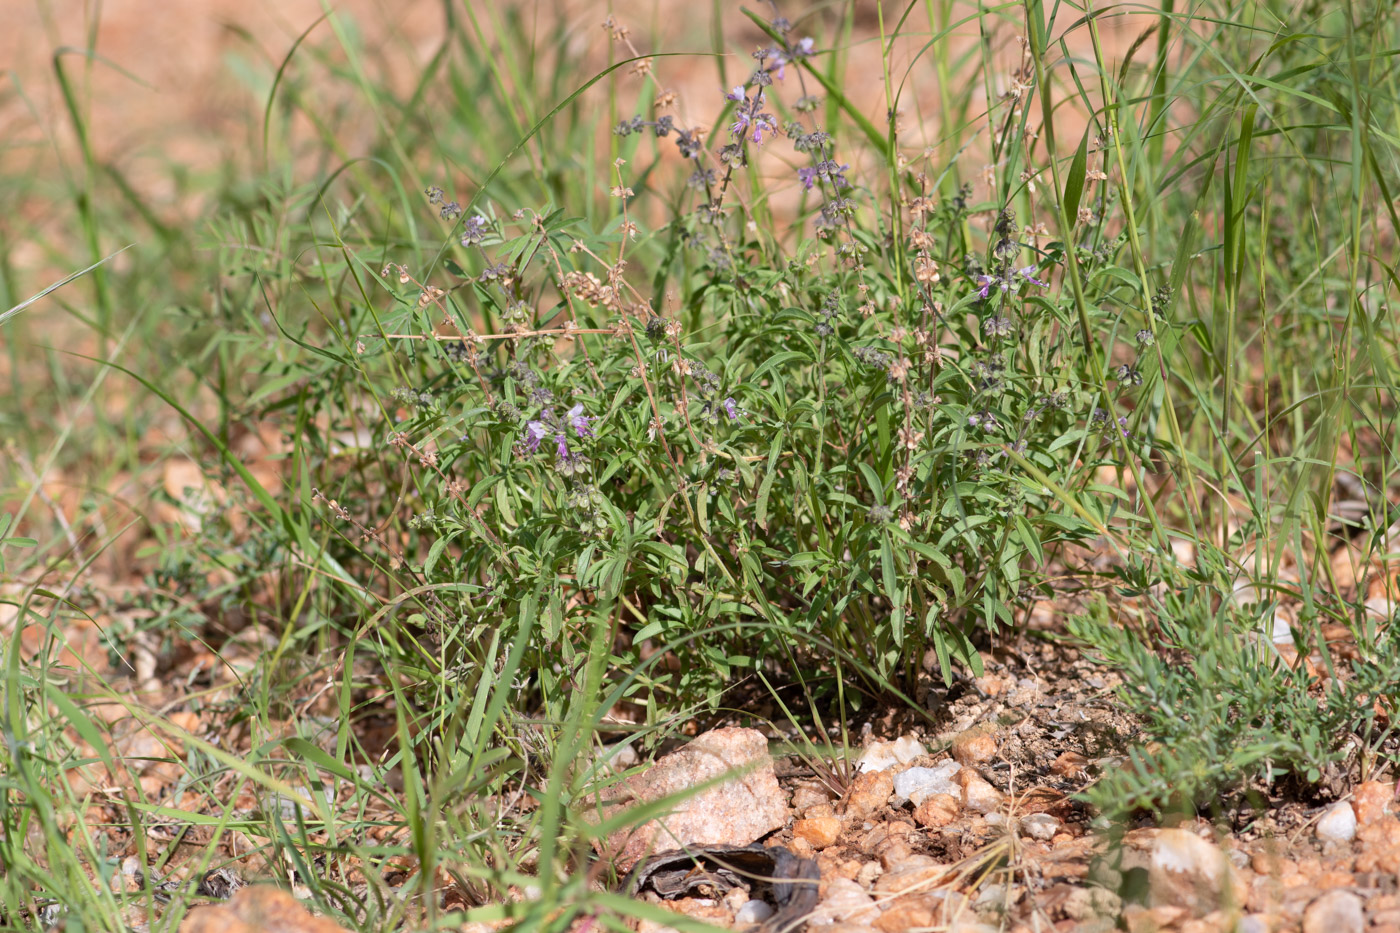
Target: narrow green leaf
1074, 181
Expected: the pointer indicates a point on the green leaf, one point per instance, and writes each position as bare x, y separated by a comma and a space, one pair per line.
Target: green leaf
765, 489
1029, 539
888, 570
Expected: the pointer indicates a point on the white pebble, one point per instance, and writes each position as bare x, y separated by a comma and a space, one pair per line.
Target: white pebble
1040, 826
1338, 824
918, 784
881, 756
754, 911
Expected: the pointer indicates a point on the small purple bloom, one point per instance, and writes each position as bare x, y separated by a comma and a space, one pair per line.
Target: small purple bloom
534, 433
563, 447
1026, 274
740, 124
737, 94
579, 421
802, 49
730, 408
986, 281
473, 230
762, 123
807, 176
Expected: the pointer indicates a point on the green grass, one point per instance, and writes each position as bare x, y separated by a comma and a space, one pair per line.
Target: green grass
435, 620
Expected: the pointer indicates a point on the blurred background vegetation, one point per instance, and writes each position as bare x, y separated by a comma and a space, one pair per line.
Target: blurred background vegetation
216, 472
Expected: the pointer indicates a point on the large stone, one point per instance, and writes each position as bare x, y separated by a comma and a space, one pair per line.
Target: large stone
1334, 912
1372, 800
738, 810
918, 784
258, 909
1183, 870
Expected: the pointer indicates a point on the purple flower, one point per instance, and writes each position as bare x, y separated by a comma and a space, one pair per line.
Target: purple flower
983, 419
1026, 274
563, 447
740, 124
579, 421
986, 281
828, 170
473, 230
730, 408
737, 94
764, 121
802, 49
534, 433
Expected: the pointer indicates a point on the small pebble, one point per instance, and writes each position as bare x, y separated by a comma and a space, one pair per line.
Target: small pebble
754, 911
981, 797
883, 755
809, 794
1334, 912
937, 811
1040, 826
845, 901
1338, 824
1070, 765
868, 793
819, 832
974, 747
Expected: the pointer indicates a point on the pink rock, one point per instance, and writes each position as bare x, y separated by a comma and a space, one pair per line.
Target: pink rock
981, 797
845, 902
820, 831
868, 793
1334, 912
737, 811
1372, 800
